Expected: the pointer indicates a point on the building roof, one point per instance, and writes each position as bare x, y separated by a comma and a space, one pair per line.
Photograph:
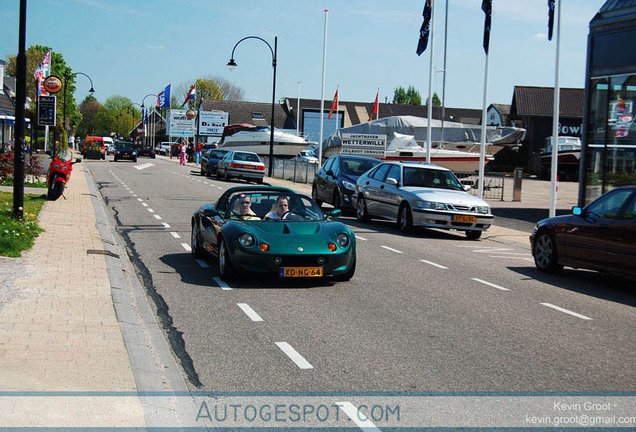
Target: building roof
256, 113
539, 101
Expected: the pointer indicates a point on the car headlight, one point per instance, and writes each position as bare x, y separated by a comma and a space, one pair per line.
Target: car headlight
343, 240
483, 209
247, 240
348, 185
134, 153
430, 205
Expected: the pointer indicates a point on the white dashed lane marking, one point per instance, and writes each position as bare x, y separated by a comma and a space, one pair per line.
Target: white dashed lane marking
202, 263
223, 285
490, 284
434, 264
569, 312
175, 235
294, 355
157, 217
250, 312
186, 247
164, 224
144, 204
361, 420
361, 238
392, 250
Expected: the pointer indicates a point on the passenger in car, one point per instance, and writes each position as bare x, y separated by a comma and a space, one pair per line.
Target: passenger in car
243, 208
280, 208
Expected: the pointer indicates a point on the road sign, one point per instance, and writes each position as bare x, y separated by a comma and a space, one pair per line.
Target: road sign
46, 111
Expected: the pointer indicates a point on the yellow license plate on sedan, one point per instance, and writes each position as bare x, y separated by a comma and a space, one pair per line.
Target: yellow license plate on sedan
301, 272
462, 218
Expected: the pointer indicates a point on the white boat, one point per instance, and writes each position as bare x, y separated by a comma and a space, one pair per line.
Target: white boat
404, 147
256, 139
568, 157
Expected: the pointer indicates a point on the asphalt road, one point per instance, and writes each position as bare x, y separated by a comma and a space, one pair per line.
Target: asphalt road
426, 312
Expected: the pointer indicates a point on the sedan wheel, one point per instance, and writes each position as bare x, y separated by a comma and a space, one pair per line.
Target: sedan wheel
545, 253
473, 235
314, 195
405, 219
225, 265
227, 175
362, 214
195, 242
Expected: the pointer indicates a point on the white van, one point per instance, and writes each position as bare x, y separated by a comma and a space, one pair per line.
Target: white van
109, 144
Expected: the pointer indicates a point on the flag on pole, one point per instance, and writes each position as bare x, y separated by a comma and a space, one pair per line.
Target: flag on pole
163, 99
42, 72
425, 29
550, 18
486, 6
375, 107
334, 105
145, 116
192, 94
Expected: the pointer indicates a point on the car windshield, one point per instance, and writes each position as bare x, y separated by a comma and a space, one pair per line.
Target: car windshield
273, 206
218, 154
357, 167
247, 157
124, 146
433, 178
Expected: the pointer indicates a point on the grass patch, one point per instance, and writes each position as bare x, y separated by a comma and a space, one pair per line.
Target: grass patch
17, 235
36, 184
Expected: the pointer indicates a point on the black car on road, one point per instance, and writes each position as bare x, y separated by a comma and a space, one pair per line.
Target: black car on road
149, 152
125, 150
335, 182
210, 159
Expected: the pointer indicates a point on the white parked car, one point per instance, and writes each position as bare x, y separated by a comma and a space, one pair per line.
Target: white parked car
163, 148
307, 156
419, 194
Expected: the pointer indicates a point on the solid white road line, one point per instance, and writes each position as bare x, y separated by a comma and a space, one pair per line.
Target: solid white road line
569, 312
186, 247
517, 257
294, 355
202, 263
392, 250
357, 417
490, 284
175, 235
361, 238
165, 224
249, 312
488, 250
223, 285
144, 204
434, 265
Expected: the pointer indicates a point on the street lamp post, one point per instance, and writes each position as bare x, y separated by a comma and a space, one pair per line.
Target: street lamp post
66, 78
232, 64
142, 113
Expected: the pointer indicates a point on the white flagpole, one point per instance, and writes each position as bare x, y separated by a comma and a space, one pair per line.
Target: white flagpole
482, 149
322, 94
429, 129
298, 112
555, 118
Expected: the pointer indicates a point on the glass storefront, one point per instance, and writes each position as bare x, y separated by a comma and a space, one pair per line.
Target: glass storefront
610, 159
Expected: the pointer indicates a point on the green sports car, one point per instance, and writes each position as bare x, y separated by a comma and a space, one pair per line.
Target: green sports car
273, 230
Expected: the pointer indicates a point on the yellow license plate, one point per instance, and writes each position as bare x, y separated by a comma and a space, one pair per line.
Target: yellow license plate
300, 272
462, 218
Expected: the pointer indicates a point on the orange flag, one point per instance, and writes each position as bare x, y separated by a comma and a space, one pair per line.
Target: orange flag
334, 104
375, 107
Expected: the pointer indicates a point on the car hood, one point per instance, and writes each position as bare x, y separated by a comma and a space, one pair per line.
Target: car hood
445, 196
556, 220
294, 228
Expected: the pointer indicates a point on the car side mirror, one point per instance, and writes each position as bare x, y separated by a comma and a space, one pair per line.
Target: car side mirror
467, 187
577, 211
467, 183
332, 214
391, 181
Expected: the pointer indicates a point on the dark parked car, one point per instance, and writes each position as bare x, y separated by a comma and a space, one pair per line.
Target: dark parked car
601, 236
210, 159
125, 150
149, 152
335, 182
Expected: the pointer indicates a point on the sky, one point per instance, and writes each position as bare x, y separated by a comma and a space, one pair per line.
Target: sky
137, 47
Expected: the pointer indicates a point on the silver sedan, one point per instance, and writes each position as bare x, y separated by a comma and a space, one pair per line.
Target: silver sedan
424, 195
241, 164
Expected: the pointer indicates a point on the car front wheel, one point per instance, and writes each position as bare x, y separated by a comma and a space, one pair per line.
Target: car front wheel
314, 195
225, 264
405, 219
545, 253
473, 235
362, 214
195, 242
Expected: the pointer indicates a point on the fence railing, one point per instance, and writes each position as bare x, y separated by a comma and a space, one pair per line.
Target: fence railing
292, 169
493, 184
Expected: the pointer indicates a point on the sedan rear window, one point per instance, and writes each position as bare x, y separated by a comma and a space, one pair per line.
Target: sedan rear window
248, 157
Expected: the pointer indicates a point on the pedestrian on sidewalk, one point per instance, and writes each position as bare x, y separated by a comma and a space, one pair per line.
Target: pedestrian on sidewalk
183, 153
199, 147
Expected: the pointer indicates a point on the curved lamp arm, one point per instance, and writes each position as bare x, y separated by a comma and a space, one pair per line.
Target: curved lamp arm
232, 64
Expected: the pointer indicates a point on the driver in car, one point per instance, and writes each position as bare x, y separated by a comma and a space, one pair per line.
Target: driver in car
282, 206
245, 208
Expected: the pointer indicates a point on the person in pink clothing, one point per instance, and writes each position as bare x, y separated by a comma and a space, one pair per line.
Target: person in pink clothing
183, 153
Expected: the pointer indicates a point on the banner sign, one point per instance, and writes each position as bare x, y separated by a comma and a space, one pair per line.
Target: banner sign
179, 124
212, 123
371, 145
46, 111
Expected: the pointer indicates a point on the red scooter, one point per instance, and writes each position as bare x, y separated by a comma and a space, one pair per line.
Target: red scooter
59, 173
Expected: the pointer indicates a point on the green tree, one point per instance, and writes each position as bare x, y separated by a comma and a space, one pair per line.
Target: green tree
88, 109
399, 96
409, 96
436, 100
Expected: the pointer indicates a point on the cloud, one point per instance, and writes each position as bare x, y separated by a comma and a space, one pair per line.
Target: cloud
156, 47
541, 36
